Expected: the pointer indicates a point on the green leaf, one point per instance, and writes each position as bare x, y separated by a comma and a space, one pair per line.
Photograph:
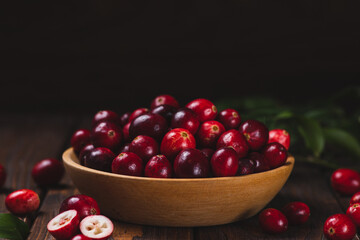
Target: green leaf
342, 139
12, 227
312, 134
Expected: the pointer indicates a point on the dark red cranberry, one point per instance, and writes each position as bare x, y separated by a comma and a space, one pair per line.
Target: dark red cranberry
355, 198
209, 132
79, 139
166, 111
138, 112
345, 181
256, 134
275, 154
208, 152
128, 163
205, 109
106, 116
339, 227
234, 139
164, 99
281, 136
176, 140
2, 175
224, 162
273, 221
84, 153
187, 119
354, 213
100, 158
230, 118
47, 172
125, 148
124, 119
296, 212
108, 135
126, 132
158, 167
191, 163
83, 204
144, 146
261, 164
246, 166
152, 125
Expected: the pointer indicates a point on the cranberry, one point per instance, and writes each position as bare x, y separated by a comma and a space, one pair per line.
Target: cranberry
208, 152
164, 99
175, 141
209, 132
83, 204
100, 158
22, 202
47, 172
96, 227
126, 132
256, 134
2, 175
354, 213
273, 221
106, 116
233, 138
80, 237
339, 227
79, 139
224, 162
191, 163
261, 163
107, 134
166, 111
276, 154
345, 181
281, 136
84, 153
187, 119
230, 118
127, 163
138, 112
246, 166
125, 148
124, 119
64, 225
158, 167
296, 212
205, 109
355, 198
152, 125
144, 146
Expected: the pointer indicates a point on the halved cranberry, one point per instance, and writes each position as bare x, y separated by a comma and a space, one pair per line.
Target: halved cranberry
234, 139
164, 99
187, 119
256, 134
205, 109
230, 118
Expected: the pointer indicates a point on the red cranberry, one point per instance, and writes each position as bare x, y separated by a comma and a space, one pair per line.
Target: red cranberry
234, 139
205, 109
345, 181
152, 125
261, 164
79, 139
273, 221
138, 112
22, 202
355, 198
209, 132
354, 213
106, 116
191, 163
164, 99
224, 162
125, 148
83, 204
256, 134
64, 225
2, 175
47, 172
84, 153
246, 166
107, 134
127, 163
158, 167
175, 141
124, 119
339, 227
80, 237
187, 119
230, 118
281, 136
126, 132
97, 227
100, 158
276, 154
208, 152
166, 111
144, 146
296, 212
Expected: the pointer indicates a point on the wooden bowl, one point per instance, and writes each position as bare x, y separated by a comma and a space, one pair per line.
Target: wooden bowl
177, 202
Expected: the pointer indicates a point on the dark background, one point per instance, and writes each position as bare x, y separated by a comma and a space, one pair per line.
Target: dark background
80, 56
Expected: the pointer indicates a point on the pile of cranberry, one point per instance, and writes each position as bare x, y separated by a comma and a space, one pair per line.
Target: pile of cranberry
185, 142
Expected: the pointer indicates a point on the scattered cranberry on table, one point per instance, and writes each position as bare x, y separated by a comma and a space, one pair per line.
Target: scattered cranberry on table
48, 172
339, 227
354, 213
273, 221
296, 212
22, 202
346, 181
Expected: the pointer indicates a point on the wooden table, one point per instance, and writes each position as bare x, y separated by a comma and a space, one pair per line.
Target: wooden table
26, 139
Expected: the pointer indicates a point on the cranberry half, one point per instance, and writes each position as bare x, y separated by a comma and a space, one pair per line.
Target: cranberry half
230, 118
346, 181
209, 132
191, 163
234, 139
164, 99
296, 212
149, 124
205, 109
187, 119
158, 167
256, 134
275, 154
144, 146
273, 221
79, 139
339, 227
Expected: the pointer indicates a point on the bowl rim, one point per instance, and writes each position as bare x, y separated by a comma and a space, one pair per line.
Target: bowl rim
68, 160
